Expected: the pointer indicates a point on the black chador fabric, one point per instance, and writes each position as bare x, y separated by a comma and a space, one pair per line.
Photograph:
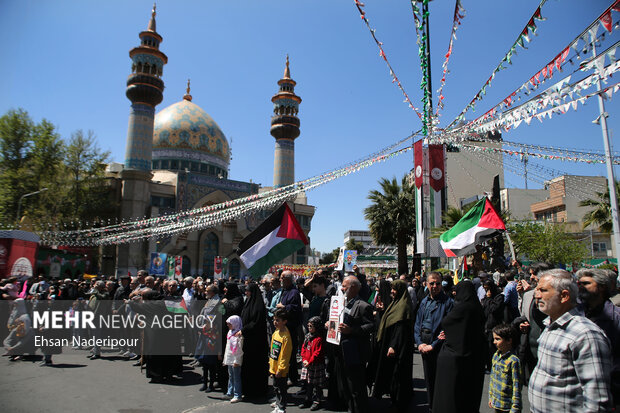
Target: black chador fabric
234, 300
393, 374
255, 367
460, 364
162, 346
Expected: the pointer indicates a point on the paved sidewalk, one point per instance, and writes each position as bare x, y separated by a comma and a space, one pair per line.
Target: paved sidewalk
111, 384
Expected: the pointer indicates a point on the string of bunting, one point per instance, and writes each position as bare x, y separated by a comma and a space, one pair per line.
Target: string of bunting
193, 222
547, 71
528, 111
360, 6
529, 29
514, 166
459, 14
473, 147
174, 217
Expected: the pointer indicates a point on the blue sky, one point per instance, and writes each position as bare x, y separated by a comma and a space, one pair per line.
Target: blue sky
67, 61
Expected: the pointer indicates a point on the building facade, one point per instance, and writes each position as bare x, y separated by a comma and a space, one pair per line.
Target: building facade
179, 159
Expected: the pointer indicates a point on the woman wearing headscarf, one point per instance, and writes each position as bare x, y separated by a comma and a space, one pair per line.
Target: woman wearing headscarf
493, 307
209, 333
21, 335
255, 368
460, 364
395, 349
233, 300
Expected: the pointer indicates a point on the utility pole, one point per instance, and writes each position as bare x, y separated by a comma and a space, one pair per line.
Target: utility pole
611, 181
524, 159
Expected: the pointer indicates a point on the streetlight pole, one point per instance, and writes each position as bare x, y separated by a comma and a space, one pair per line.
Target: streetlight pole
611, 181
19, 203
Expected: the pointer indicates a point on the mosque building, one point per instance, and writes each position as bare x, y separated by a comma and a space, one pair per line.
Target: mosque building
179, 159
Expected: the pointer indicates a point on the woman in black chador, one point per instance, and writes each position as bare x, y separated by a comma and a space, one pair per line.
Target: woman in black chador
461, 360
232, 301
395, 349
254, 371
162, 347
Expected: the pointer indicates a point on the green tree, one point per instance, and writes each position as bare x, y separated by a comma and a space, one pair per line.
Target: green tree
600, 214
548, 242
352, 244
33, 157
85, 171
16, 130
330, 257
391, 217
30, 159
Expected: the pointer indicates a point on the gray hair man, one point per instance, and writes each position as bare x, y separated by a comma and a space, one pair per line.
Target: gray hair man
574, 356
595, 288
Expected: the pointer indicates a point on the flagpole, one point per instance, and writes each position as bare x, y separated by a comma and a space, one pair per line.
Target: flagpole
512, 248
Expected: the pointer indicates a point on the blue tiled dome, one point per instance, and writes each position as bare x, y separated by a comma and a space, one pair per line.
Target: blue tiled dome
185, 132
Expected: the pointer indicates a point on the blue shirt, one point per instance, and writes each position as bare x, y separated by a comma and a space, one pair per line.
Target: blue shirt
511, 297
430, 314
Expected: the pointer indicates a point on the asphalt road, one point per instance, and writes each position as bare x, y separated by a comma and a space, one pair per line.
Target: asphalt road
111, 384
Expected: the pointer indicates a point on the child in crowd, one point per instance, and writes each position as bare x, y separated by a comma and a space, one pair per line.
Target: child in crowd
505, 383
233, 357
279, 356
313, 371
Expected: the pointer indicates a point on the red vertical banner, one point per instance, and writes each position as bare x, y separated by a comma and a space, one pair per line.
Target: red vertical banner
418, 171
437, 167
178, 266
437, 181
418, 163
217, 267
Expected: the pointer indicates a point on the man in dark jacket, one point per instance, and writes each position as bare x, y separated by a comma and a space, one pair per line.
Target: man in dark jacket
355, 329
291, 302
432, 310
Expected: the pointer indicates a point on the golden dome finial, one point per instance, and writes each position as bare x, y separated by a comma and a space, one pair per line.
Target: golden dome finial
152, 26
287, 71
187, 95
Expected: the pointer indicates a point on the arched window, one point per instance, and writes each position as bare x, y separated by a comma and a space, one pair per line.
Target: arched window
234, 267
210, 251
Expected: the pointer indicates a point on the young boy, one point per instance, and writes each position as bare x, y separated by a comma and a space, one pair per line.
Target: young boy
505, 383
279, 356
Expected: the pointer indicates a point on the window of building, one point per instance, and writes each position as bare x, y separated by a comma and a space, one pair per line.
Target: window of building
204, 168
301, 255
155, 165
195, 167
184, 164
599, 247
165, 164
174, 164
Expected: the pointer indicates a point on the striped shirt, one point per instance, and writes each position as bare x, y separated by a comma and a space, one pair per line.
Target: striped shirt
574, 367
505, 383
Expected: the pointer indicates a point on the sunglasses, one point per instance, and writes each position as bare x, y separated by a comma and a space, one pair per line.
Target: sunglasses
434, 283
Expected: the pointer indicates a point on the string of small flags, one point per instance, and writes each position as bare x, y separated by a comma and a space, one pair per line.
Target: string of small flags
360, 7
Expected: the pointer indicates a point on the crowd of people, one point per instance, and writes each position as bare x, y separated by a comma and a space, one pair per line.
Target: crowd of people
553, 331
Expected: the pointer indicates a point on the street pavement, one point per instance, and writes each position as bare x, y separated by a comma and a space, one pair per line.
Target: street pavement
111, 384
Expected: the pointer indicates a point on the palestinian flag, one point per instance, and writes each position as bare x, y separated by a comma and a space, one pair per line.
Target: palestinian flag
276, 238
176, 306
478, 225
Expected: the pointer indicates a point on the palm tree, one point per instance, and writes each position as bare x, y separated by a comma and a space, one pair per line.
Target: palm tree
449, 218
601, 213
392, 217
